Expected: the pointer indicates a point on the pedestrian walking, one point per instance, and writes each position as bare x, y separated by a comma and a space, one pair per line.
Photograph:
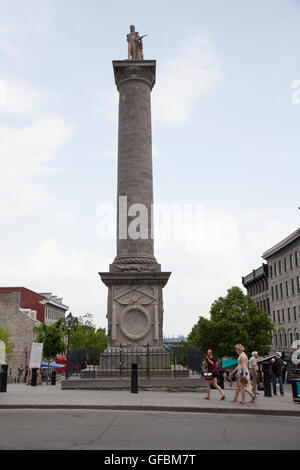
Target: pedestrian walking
28, 376
253, 369
39, 377
212, 367
20, 373
277, 369
242, 376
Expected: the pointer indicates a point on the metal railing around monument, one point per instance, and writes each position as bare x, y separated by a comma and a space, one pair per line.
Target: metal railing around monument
116, 362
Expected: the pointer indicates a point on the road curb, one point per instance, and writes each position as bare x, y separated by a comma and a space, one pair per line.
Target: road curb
174, 409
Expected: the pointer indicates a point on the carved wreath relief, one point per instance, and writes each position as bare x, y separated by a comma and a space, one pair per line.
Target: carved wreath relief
134, 320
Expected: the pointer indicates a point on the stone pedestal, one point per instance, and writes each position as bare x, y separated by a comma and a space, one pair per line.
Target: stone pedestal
135, 308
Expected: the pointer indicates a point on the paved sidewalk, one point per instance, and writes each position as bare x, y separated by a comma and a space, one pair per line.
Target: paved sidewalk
48, 396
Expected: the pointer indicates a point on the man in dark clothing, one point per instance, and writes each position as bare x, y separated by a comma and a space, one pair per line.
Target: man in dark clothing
277, 370
20, 373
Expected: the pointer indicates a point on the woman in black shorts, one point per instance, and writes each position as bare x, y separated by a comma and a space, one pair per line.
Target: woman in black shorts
213, 379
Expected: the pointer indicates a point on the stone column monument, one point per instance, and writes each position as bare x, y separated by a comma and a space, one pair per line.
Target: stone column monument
135, 280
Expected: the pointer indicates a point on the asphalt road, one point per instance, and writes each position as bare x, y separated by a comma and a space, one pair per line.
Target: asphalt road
135, 430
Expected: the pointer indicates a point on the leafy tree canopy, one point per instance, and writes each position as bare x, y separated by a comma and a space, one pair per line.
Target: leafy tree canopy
233, 319
87, 336
52, 338
9, 345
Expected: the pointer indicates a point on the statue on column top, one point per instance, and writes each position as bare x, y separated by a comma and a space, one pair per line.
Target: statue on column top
135, 44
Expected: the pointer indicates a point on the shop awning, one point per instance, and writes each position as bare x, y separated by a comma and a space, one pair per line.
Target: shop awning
229, 363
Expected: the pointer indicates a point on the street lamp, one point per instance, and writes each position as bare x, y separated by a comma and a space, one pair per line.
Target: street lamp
26, 352
26, 368
70, 322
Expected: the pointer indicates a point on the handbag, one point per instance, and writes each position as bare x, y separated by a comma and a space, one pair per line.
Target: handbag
243, 380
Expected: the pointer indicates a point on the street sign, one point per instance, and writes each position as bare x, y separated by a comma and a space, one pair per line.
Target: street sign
36, 355
2, 352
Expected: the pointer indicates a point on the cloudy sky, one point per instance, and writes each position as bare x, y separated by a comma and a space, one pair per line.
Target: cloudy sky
226, 143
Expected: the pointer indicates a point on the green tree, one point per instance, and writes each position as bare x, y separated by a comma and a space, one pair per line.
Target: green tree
233, 319
9, 345
87, 336
52, 338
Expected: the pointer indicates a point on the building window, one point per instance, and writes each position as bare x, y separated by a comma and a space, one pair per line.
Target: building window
287, 288
298, 284
291, 261
289, 314
295, 313
276, 292
275, 269
291, 338
285, 264
293, 286
274, 316
271, 271
279, 267
296, 259
281, 291
272, 291
282, 312
278, 315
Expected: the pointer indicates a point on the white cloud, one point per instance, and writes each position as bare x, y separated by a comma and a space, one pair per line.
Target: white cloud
262, 231
23, 23
73, 276
183, 78
20, 98
63, 218
26, 152
108, 106
229, 248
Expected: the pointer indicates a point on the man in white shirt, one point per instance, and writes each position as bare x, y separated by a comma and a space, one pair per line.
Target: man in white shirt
253, 368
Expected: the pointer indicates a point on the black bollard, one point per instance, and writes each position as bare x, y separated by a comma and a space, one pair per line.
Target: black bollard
134, 378
53, 377
267, 382
33, 376
221, 379
3, 378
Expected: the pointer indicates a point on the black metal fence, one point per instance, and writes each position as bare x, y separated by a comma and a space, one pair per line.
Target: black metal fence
151, 362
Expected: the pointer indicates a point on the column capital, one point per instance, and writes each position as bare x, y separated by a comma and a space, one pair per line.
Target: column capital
125, 70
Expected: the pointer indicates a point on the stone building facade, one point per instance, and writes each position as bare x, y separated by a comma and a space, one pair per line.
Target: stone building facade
20, 323
284, 289
257, 285
49, 308
275, 287
21, 311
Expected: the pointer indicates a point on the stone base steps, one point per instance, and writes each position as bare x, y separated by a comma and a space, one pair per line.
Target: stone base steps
161, 384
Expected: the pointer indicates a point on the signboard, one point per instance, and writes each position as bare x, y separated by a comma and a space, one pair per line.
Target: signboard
36, 355
2, 352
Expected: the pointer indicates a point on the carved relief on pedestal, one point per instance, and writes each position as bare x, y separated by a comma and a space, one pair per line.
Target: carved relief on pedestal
141, 295
135, 322
135, 264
